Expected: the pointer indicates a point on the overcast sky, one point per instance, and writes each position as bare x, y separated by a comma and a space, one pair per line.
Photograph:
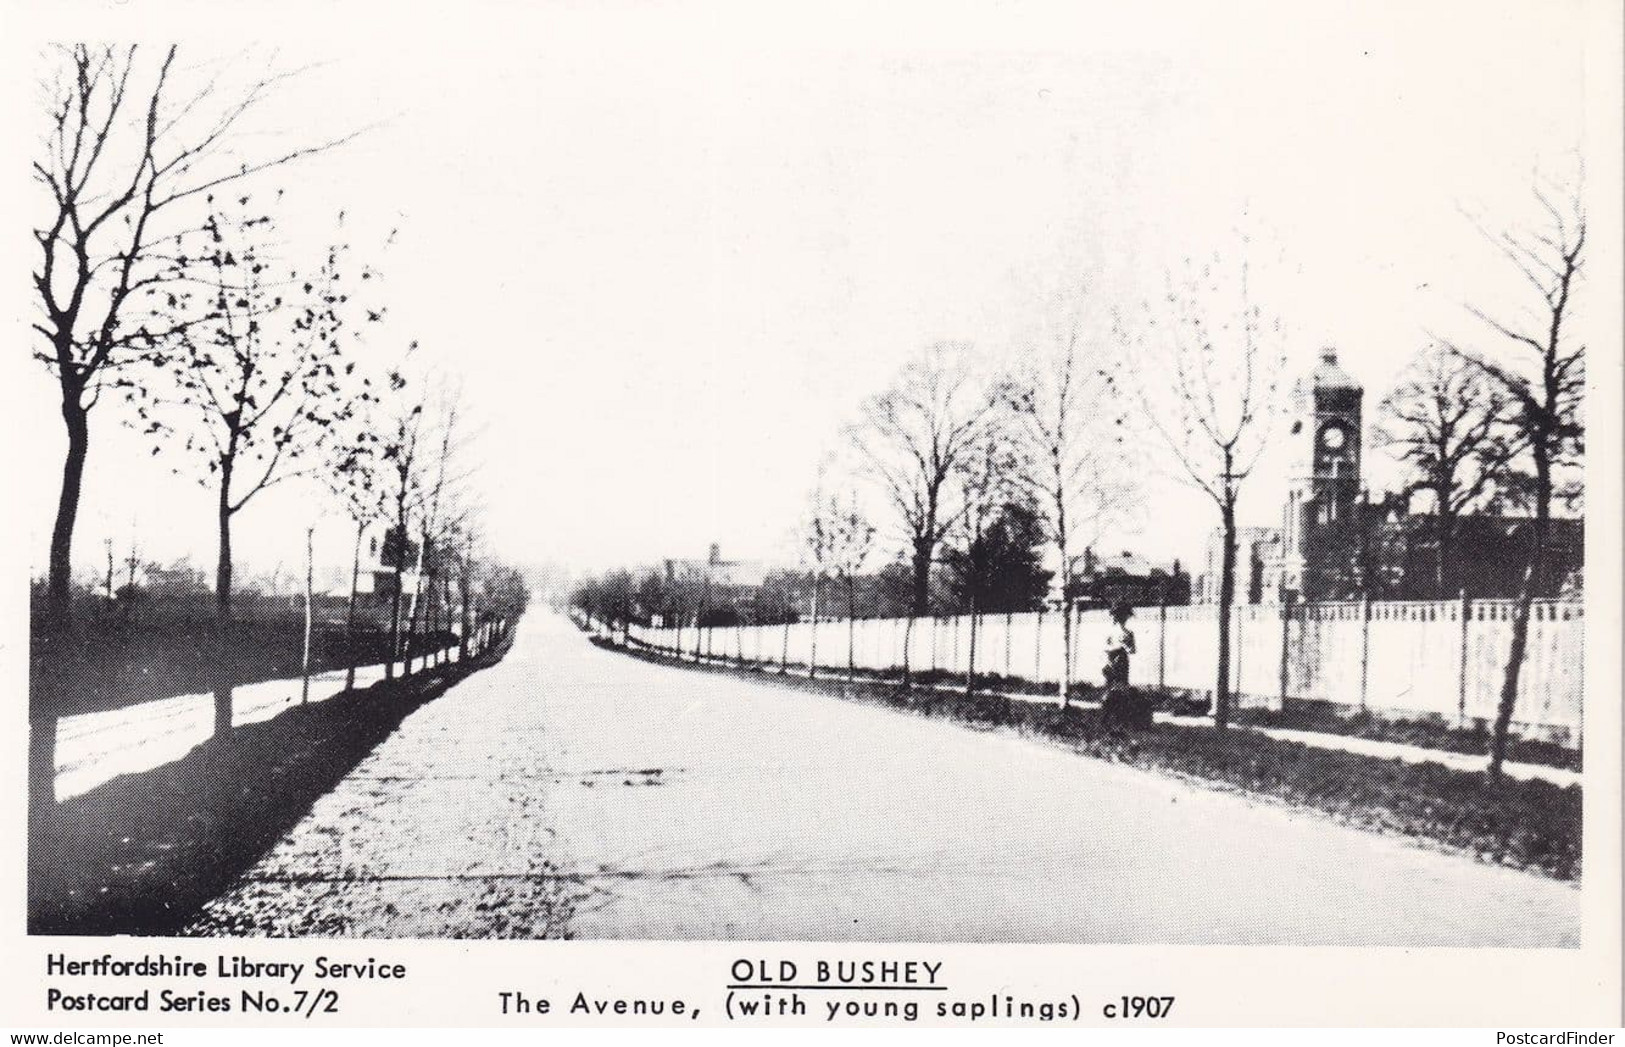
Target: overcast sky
669, 251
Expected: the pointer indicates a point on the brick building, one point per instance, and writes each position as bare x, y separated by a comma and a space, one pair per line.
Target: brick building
1338, 542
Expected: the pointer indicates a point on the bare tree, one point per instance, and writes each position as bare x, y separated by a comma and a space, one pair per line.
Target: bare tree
460, 518
467, 570
453, 582
617, 599
691, 597
911, 439
851, 540
437, 515
310, 597
258, 383
819, 552
126, 156
655, 597
987, 477
1217, 362
1540, 369
776, 603
1447, 422
401, 451
1078, 471
355, 474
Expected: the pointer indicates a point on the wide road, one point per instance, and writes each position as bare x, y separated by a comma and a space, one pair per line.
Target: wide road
571, 791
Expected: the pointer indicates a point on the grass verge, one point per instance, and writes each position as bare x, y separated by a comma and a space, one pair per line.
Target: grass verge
1428, 732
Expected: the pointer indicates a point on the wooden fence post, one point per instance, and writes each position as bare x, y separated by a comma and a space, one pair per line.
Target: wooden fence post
1466, 611
1162, 643
1365, 645
1038, 647
1235, 661
1286, 639
1074, 620
310, 579
1008, 618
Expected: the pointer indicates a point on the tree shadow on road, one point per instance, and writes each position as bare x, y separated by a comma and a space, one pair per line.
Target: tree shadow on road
142, 853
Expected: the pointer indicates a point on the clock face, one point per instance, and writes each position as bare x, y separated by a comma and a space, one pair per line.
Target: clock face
1332, 438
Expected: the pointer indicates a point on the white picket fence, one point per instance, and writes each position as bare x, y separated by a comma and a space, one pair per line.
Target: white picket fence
1404, 658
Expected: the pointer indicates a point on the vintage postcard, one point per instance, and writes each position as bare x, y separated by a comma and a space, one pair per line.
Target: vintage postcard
719, 514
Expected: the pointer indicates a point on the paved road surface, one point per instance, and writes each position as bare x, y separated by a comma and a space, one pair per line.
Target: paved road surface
576, 792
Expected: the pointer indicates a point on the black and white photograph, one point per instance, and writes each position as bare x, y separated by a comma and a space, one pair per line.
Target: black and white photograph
690, 474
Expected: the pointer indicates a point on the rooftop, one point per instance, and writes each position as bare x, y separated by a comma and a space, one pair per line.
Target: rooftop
1328, 375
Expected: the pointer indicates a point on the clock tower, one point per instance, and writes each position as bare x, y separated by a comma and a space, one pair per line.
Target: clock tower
1320, 528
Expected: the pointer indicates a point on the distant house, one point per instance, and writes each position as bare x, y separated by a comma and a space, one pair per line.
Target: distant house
1102, 580
389, 563
177, 579
726, 590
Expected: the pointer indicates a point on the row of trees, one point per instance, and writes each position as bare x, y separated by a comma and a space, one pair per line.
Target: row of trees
987, 473
977, 474
248, 358
1001, 571
1491, 420
1500, 419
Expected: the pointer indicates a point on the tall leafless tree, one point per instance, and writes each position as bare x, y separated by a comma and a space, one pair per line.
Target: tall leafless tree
256, 386
1216, 361
988, 476
1079, 472
911, 439
128, 153
818, 551
466, 571
309, 607
1448, 423
401, 451
355, 474
851, 539
1539, 366
437, 515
